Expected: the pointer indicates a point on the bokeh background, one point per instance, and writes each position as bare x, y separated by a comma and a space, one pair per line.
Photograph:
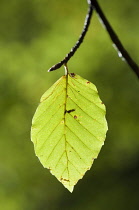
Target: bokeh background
34, 35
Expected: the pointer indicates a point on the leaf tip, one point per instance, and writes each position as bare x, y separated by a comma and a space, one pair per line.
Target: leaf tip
70, 188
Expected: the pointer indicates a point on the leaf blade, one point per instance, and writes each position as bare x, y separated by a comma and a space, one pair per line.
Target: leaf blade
69, 128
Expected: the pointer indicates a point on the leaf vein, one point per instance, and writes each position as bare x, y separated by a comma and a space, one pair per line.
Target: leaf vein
49, 105
86, 112
48, 120
86, 129
54, 148
88, 87
51, 91
79, 139
85, 97
49, 136
77, 153
75, 168
59, 159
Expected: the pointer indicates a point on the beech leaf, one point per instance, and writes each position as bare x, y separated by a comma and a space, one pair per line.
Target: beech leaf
69, 128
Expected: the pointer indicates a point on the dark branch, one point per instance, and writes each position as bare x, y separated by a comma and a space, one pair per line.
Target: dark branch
124, 54
78, 43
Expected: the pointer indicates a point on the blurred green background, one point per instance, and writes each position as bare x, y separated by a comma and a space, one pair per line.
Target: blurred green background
34, 35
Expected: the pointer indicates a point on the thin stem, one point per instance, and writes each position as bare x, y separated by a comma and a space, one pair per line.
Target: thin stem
66, 69
121, 50
78, 43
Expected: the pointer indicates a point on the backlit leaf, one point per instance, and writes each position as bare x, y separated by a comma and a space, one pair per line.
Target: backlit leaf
69, 128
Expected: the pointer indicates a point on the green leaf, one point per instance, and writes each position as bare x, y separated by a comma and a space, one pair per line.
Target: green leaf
69, 128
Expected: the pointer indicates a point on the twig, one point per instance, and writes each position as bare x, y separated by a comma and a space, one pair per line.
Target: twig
78, 43
93, 4
121, 50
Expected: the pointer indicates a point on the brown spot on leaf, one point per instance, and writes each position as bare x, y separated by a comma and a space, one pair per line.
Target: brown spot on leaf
75, 116
62, 121
62, 179
88, 82
69, 111
72, 75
